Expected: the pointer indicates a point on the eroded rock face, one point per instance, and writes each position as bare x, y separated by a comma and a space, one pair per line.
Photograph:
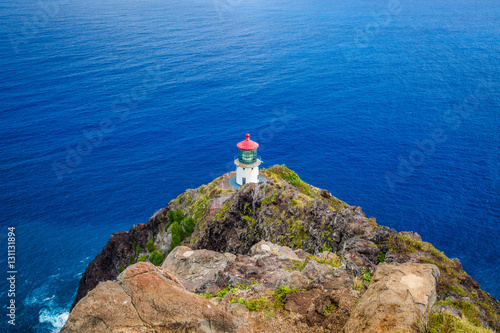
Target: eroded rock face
146, 298
196, 270
398, 296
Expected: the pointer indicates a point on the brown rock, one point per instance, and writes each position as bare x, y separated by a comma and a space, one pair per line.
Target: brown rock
327, 276
146, 299
196, 269
397, 297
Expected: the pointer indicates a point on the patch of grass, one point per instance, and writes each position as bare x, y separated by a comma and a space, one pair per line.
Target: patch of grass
381, 256
297, 266
280, 294
326, 248
366, 276
121, 269
257, 304
335, 261
131, 259
468, 309
221, 293
444, 322
403, 244
327, 309
357, 284
206, 295
143, 258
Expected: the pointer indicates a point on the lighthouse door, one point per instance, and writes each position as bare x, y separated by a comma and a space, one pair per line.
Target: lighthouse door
243, 181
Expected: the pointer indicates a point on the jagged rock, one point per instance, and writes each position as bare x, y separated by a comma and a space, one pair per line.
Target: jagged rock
363, 246
294, 280
355, 263
196, 270
145, 299
397, 297
327, 276
303, 218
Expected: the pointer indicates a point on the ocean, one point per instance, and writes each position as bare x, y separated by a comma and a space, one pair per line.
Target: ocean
110, 109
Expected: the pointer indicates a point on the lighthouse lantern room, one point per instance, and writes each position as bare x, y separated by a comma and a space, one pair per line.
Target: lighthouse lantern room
247, 162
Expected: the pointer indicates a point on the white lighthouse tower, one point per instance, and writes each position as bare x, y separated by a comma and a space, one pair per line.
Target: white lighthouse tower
247, 162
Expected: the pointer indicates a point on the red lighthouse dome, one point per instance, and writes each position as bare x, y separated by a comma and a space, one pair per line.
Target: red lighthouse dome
247, 144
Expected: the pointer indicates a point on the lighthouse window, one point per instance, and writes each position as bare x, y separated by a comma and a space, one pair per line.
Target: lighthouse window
247, 156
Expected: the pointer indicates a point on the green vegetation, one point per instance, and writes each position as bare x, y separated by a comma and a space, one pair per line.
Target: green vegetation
297, 266
143, 258
156, 258
121, 269
131, 260
366, 276
403, 244
150, 246
188, 224
181, 229
468, 309
291, 177
381, 256
177, 235
175, 215
280, 294
221, 293
327, 309
326, 248
444, 322
257, 303
357, 284
334, 261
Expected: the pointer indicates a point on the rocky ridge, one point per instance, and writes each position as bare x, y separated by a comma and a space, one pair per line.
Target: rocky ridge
316, 243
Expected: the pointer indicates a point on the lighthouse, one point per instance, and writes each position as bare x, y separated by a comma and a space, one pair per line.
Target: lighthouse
247, 162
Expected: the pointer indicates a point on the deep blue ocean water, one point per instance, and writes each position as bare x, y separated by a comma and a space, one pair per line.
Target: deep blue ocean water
110, 109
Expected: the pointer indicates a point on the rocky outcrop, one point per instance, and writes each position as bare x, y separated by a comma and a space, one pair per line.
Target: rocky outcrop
204, 271
398, 296
283, 232
198, 270
146, 298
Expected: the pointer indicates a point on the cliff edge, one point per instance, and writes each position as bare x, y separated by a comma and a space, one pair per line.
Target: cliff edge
281, 234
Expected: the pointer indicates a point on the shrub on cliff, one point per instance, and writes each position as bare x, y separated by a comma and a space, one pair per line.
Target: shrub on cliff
188, 224
150, 246
156, 258
174, 216
177, 235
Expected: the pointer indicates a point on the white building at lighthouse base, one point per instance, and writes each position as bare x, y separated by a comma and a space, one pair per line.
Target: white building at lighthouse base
247, 173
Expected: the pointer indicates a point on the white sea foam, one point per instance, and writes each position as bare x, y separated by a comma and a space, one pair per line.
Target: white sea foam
55, 317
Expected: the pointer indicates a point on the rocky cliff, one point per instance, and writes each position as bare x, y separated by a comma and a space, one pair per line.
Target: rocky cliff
284, 249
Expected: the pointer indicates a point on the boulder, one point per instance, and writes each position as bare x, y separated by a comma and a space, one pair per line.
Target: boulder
146, 298
294, 279
196, 269
397, 297
265, 248
327, 276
